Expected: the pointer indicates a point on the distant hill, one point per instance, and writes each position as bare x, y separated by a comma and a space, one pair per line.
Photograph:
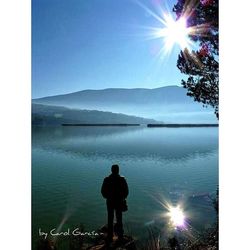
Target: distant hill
169, 104
109, 97
54, 115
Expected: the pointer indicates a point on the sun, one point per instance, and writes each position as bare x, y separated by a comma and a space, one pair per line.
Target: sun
175, 32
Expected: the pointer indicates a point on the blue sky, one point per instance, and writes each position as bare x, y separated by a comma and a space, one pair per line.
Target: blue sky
97, 44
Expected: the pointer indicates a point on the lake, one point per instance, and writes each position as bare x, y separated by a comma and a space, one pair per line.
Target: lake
178, 165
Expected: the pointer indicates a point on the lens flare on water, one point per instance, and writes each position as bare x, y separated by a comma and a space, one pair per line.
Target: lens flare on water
173, 214
176, 216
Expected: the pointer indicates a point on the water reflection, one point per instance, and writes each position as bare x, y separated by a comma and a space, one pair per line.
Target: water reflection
142, 142
69, 163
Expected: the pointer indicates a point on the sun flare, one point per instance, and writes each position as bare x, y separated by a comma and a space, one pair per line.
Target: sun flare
176, 216
175, 32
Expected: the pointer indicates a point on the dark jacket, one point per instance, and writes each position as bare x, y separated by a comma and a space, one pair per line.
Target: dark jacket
115, 188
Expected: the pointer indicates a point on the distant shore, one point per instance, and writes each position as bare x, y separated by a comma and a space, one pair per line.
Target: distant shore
176, 125
99, 124
181, 125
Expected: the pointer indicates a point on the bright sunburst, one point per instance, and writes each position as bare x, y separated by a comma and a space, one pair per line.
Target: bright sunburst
173, 32
176, 216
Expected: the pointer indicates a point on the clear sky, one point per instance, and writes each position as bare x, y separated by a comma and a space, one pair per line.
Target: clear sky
97, 44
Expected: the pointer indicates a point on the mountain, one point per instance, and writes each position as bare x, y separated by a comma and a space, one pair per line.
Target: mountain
53, 115
169, 104
107, 97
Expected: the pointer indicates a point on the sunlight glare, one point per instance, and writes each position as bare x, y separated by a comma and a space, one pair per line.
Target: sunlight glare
176, 216
174, 32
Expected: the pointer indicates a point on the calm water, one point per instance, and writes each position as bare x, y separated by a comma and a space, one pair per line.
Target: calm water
173, 164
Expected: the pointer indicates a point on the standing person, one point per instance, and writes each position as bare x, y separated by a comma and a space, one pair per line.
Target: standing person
115, 191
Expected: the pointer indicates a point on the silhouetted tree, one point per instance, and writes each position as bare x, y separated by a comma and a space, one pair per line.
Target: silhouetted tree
202, 65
